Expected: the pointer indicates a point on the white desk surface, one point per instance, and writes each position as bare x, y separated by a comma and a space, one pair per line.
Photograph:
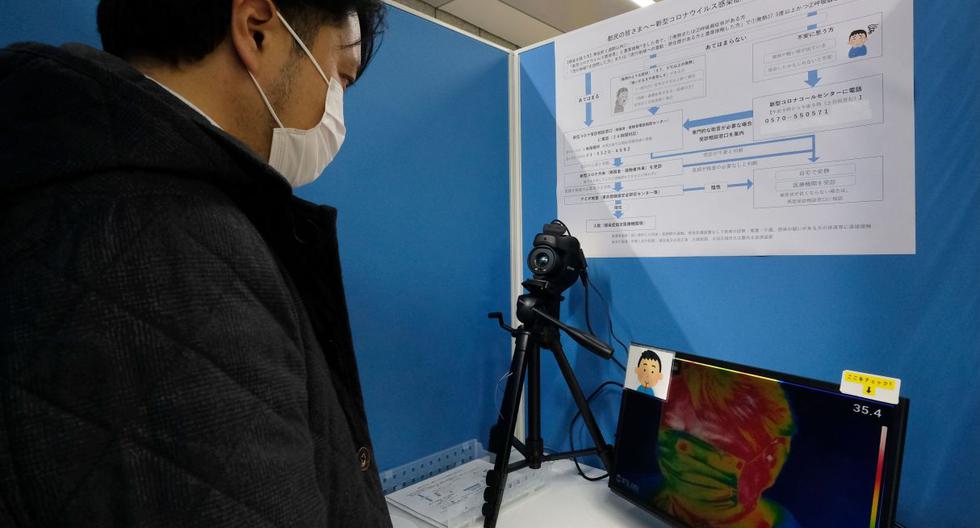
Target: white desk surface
566, 500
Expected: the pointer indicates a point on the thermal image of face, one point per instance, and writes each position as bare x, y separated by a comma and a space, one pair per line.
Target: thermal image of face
722, 442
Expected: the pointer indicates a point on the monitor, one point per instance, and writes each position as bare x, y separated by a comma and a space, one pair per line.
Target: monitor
731, 446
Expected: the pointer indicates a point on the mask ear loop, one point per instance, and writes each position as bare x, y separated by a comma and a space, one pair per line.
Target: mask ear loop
266, 101
303, 46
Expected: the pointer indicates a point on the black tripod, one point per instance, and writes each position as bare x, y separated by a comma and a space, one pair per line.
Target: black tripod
538, 311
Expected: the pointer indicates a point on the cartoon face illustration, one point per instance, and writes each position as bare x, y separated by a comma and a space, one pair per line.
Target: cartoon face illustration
858, 38
648, 369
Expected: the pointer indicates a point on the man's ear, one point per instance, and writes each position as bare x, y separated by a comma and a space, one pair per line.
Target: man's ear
252, 21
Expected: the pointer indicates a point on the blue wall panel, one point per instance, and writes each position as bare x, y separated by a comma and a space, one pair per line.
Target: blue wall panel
50, 21
421, 185
913, 317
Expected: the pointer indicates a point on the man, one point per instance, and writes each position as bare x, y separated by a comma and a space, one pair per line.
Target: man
174, 341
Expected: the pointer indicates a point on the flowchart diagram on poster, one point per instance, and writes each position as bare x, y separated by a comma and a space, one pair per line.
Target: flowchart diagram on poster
753, 127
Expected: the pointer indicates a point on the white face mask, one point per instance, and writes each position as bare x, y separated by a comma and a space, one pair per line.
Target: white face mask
301, 155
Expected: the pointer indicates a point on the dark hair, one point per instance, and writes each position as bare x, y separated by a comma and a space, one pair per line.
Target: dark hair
650, 354
178, 31
858, 32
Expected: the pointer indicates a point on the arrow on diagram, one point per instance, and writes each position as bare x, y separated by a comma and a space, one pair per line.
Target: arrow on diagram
812, 78
692, 123
747, 184
588, 105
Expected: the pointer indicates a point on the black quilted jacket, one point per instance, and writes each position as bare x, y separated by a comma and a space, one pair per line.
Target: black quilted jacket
174, 341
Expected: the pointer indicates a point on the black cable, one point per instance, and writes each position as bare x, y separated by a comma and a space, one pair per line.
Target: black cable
559, 222
618, 364
571, 429
588, 322
609, 320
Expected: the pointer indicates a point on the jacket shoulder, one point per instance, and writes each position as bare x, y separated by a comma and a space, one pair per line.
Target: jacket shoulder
160, 243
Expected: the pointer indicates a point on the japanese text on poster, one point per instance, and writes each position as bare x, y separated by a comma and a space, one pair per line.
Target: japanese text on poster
739, 127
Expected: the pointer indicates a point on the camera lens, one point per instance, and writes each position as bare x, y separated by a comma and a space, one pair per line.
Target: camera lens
542, 260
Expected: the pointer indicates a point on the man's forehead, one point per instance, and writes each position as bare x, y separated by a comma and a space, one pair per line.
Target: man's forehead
349, 37
342, 40
350, 31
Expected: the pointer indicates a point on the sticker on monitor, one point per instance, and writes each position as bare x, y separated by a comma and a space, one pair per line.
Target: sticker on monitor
648, 370
870, 386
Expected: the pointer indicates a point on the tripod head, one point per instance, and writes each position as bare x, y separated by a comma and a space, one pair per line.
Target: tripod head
556, 261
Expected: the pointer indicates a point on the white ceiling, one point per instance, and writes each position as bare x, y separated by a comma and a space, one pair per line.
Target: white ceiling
526, 22
567, 15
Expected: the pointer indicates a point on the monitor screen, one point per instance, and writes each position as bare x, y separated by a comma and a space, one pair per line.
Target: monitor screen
733, 446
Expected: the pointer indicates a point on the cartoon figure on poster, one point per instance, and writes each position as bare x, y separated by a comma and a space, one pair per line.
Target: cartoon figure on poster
858, 41
649, 371
622, 96
723, 441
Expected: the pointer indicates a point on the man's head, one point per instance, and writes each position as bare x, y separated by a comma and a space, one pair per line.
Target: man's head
858, 38
724, 438
648, 369
206, 51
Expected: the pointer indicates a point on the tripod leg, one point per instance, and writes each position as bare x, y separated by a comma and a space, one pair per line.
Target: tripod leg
583, 406
497, 478
533, 441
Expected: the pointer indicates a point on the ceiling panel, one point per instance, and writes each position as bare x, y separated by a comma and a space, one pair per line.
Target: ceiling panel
567, 15
502, 20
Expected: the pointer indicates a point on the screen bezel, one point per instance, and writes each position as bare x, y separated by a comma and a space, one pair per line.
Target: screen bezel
893, 452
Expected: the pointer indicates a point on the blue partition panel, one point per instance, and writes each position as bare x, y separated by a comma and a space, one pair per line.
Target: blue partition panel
913, 317
51, 21
421, 185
